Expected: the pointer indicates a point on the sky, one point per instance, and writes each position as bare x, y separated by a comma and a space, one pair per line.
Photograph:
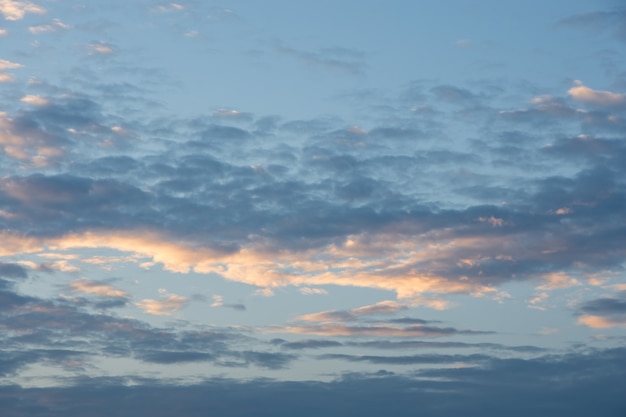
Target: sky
342, 208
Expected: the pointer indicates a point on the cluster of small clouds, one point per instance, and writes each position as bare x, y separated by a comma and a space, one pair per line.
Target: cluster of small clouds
32, 325
17, 9
357, 322
334, 210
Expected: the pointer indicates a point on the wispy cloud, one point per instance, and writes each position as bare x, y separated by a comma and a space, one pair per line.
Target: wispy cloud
97, 288
54, 26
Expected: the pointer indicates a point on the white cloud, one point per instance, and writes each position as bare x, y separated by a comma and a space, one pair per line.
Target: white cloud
601, 98
34, 100
166, 8
52, 27
102, 48
4, 64
6, 78
218, 301
165, 307
15, 10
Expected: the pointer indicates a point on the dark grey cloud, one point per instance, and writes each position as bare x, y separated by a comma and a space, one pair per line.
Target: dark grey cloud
408, 360
575, 385
603, 312
605, 306
307, 344
10, 270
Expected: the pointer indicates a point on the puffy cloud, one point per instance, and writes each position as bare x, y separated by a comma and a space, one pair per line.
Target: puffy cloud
16, 9
101, 48
164, 307
557, 280
587, 95
6, 77
35, 100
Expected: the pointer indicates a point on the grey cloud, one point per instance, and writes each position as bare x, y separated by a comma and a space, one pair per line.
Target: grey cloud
53, 331
310, 344
237, 306
454, 95
170, 357
9, 270
605, 305
420, 344
599, 21
576, 385
63, 203
340, 60
408, 360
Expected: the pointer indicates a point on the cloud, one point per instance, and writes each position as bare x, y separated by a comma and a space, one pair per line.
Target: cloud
338, 323
600, 98
96, 288
51, 27
382, 330
568, 385
165, 307
102, 48
380, 308
603, 312
556, 280
218, 301
4, 64
409, 360
15, 9
313, 291
307, 344
168, 8
6, 77
599, 21
340, 60
35, 100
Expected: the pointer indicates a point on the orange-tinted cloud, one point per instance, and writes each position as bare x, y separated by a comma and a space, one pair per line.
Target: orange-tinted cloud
16, 9
165, 307
92, 287
599, 322
601, 98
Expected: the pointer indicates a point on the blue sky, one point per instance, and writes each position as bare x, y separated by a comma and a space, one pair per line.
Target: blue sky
340, 208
